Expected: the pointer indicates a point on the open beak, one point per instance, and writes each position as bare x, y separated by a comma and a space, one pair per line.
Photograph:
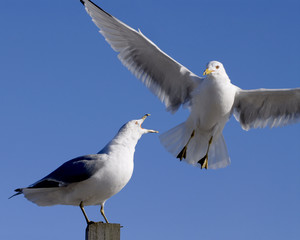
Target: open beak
147, 130
145, 116
207, 72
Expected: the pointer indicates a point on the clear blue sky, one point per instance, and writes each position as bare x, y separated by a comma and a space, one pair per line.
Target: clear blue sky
64, 94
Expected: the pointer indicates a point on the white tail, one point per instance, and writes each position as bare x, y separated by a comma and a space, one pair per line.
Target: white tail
42, 196
176, 138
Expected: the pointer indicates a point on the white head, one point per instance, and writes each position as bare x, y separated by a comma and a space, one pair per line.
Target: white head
135, 127
215, 68
129, 134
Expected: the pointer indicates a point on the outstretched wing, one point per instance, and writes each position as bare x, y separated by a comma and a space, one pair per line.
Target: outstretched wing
166, 78
267, 107
75, 170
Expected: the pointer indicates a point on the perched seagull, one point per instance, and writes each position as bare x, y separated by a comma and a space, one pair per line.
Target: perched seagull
90, 179
211, 99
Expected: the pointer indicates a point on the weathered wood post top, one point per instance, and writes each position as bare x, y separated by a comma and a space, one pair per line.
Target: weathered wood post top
103, 231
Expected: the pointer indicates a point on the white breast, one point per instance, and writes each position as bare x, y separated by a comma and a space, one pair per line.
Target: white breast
212, 102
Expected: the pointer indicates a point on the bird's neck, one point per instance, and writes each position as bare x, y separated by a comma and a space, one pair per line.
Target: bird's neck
219, 79
122, 142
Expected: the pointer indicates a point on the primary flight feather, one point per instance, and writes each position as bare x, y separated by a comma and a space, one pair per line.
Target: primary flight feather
211, 99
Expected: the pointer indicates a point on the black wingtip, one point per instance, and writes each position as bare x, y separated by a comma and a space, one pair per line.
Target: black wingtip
84, 1
19, 191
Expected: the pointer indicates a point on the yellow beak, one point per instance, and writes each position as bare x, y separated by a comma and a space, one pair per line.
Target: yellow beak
207, 72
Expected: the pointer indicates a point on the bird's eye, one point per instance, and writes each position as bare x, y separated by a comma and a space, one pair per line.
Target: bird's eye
217, 67
136, 123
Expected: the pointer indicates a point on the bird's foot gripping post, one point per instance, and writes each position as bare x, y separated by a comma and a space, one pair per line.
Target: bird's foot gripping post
103, 214
84, 214
182, 153
86, 217
100, 230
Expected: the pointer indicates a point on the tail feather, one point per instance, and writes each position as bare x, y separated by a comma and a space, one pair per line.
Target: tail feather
42, 196
197, 148
218, 155
176, 138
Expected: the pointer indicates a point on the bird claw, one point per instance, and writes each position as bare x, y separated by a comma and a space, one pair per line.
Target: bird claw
203, 162
182, 154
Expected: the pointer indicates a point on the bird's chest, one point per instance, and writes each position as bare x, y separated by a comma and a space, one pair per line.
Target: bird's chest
117, 173
211, 103
109, 180
120, 171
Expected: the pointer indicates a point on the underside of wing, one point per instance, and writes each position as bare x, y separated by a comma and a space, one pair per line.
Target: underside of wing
171, 82
267, 107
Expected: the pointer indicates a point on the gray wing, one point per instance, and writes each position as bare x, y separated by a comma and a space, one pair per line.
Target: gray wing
267, 107
166, 78
75, 170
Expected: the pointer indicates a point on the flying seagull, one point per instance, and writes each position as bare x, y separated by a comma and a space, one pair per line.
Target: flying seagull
211, 99
90, 179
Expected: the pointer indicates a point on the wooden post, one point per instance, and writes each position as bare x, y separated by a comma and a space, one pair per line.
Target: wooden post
102, 231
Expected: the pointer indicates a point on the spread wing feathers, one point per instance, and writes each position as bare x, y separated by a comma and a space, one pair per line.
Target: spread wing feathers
75, 170
267, 107
166, 78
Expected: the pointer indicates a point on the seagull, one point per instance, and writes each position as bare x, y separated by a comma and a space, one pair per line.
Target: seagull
212, 99
90, 179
